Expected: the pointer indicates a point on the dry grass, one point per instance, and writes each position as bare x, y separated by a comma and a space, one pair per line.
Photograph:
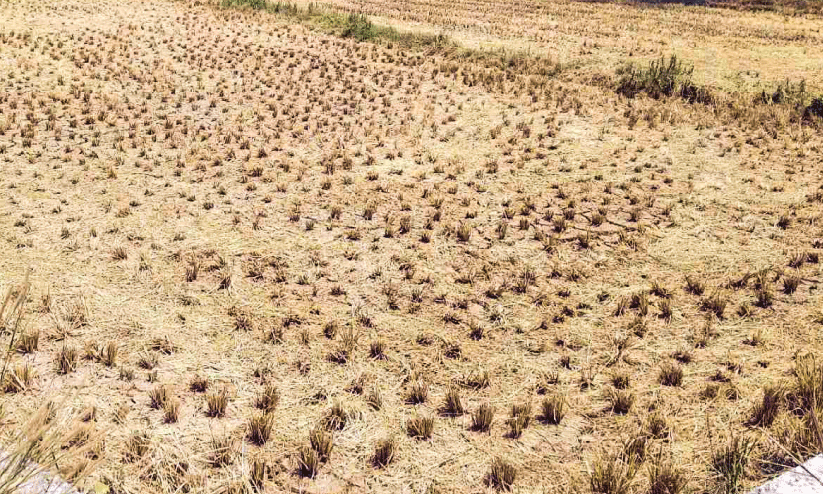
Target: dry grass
384, 452
268, 399
612, 474
260, 428
308, 462
322, 442
217, 402
502, 475
665, 478
730, 462
266, 242
482, 418
553, 409
42, 444
420, 427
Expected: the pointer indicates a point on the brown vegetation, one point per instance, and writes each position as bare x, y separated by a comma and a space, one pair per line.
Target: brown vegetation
296, 249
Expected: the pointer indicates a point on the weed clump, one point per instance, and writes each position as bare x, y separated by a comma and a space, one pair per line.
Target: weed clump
662, 77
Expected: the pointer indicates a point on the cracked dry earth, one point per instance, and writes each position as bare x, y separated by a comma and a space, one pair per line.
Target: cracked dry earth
338, 236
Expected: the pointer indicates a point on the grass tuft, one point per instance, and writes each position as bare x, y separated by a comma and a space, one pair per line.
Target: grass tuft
384, 452
67, 360
671, 374
308, 462
171, 410
222, 451
482, 418
452, 403
137, 445
322, 442
502, 475
418, 393
730, 463
268, 399
620, 400
420, 427
553, 409
217, 403
29, 342
665, 478
521, 416
336, 418
766, 410
611, 474
260, 428
158, 397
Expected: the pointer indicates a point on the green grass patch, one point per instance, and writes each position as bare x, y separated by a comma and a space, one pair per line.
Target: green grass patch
347, 25
358, 26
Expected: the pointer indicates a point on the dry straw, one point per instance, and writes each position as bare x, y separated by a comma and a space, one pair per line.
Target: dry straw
41, 445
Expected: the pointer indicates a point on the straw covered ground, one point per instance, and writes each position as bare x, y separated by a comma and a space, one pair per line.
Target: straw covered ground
449, 247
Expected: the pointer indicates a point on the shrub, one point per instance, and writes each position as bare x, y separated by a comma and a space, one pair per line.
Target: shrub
254, 4
359, 27
786, 93
815, 109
